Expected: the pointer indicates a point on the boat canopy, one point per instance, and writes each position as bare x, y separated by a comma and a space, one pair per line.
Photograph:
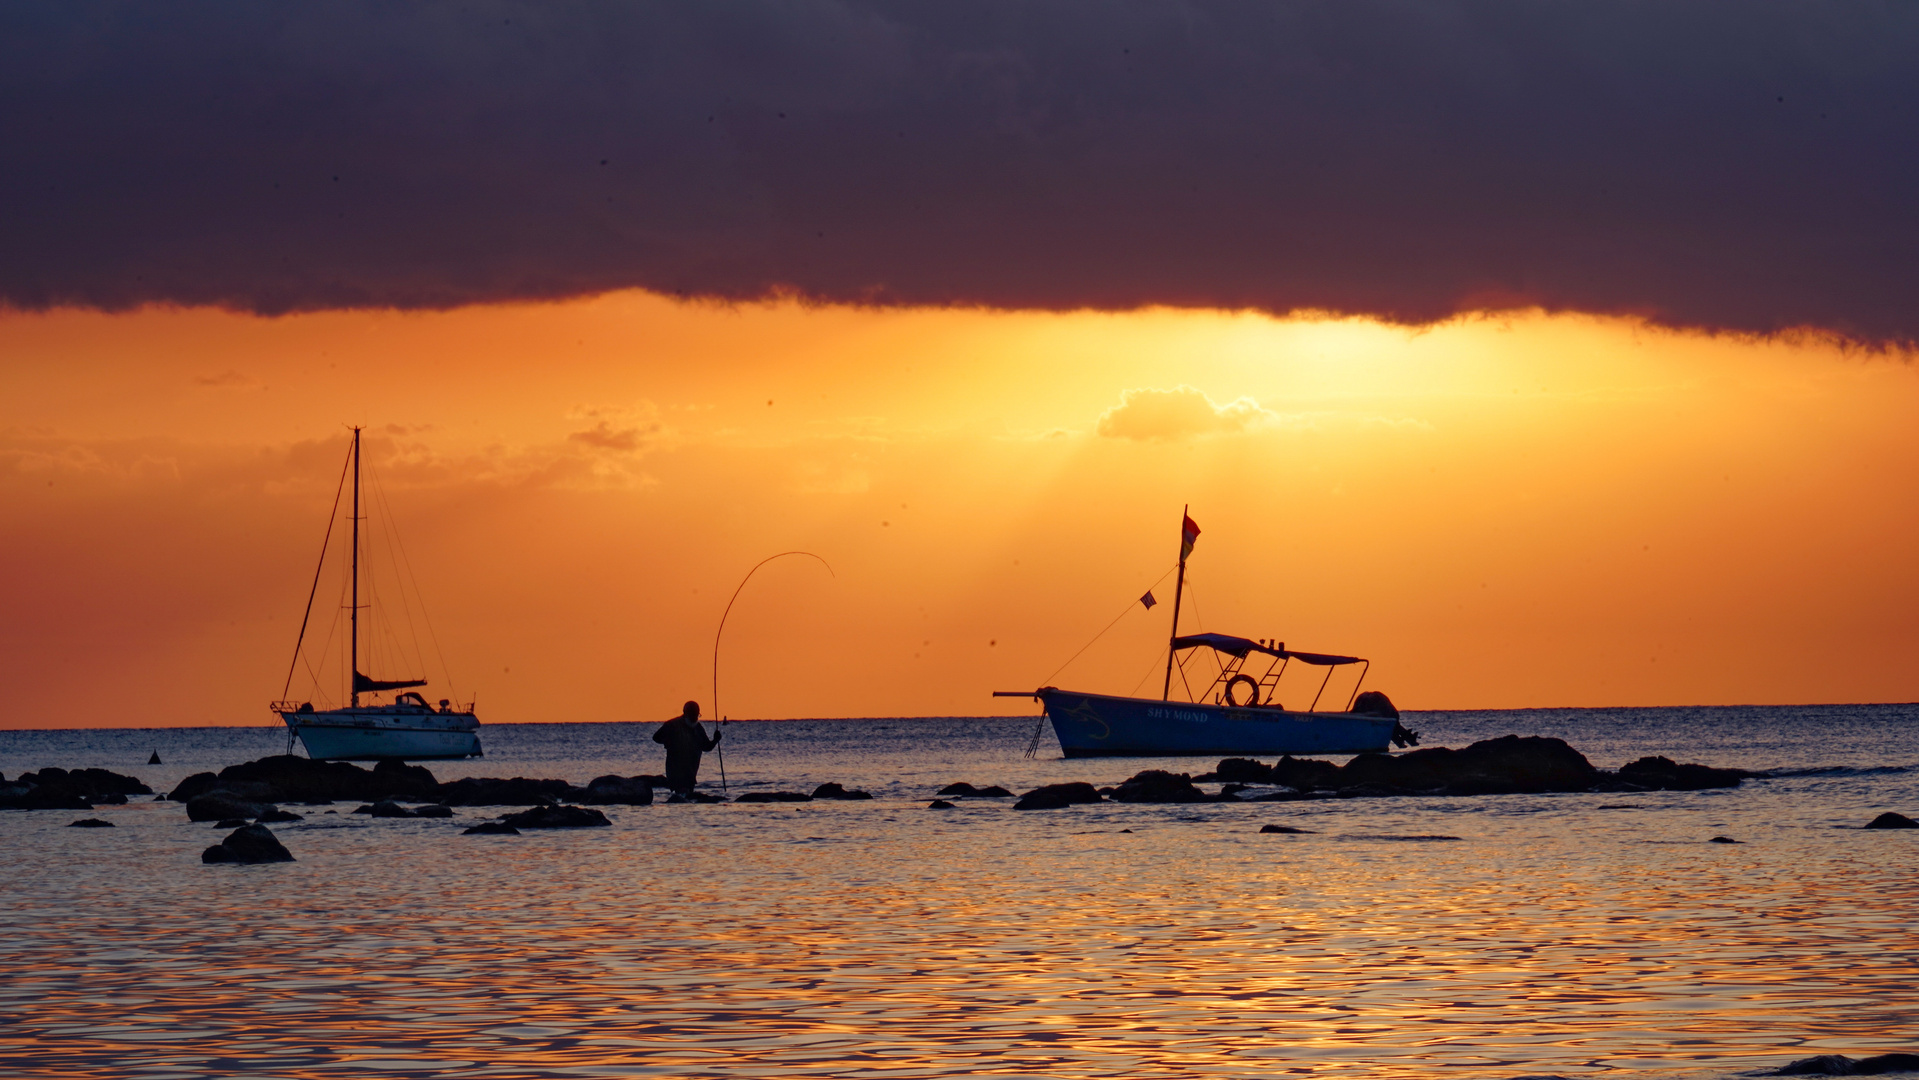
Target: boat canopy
1240, 647
364, 685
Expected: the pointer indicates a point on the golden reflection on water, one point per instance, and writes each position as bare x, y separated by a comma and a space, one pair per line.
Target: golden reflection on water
883, 940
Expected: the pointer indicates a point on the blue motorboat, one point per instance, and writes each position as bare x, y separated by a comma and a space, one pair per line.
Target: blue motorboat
1238, 713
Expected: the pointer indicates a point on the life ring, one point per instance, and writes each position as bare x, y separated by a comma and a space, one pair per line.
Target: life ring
1252, 687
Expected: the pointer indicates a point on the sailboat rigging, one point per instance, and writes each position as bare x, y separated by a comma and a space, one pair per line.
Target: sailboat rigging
407, 728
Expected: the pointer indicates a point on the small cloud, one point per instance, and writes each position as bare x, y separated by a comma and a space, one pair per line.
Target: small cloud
605, 436
622, 429
228, 378
1157, 415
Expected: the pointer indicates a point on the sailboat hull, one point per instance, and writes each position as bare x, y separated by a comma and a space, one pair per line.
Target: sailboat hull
374, 734
1096, 725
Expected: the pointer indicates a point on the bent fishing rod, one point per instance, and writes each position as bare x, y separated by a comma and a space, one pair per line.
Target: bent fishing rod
720, 717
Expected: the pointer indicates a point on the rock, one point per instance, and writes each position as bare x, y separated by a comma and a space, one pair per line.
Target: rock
1159, 786
433, 810
1841, 1065
276, 815
492, 828
1890, 820
386, 808
219, 805
89, 823
1510, 764
834, 791
61, 789
1282, 829
939, 804
1056, 796
773, 796
248, 844
557, 817
1722, 840
519, 791
288, 778
1374, 703
971, 792
1663, 774
619, 790
155, 759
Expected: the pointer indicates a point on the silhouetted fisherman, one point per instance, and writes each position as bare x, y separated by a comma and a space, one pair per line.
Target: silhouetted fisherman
685, 740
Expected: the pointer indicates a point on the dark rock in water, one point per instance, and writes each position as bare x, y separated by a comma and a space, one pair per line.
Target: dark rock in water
492, 828
288, 778
1722, 840
248, 844
61, 789
1823, 1065
1841, 1065
774, 796
1890, 820
89, 823
1511, 763
276, 815
519, 791
1282, 829
619, 791
1374, 703
557, 817
155, 759
386, 808
218, 805
1159, 786
939, 804
1056, 796
433, 810
1663, 774
969, 791
834, 791
230, 823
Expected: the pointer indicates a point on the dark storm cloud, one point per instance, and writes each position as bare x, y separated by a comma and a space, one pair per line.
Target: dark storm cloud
1747, 166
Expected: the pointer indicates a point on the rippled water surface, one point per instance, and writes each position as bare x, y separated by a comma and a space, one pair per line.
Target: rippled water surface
1577, 935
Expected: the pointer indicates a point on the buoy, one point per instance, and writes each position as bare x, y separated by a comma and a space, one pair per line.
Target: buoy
155, 759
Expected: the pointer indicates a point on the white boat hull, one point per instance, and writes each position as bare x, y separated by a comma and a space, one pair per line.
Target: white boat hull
373, 734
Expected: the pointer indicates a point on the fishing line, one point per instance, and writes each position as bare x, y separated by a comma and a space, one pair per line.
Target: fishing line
1127, 610
721, 717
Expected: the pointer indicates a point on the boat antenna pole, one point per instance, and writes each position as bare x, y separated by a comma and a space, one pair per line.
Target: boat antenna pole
353, 650
721, 717
1179, 589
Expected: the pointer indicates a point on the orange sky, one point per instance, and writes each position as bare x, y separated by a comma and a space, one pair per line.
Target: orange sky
1500, 512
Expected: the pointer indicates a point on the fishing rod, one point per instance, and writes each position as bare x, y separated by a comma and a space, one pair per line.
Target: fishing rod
720, 717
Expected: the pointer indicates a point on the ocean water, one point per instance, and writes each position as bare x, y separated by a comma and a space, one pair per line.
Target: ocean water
1508, 936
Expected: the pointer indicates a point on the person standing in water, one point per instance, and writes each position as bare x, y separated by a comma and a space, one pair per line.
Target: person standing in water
685, 740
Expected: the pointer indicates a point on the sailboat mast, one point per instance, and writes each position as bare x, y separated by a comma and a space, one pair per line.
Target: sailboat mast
1179, 590
353, 651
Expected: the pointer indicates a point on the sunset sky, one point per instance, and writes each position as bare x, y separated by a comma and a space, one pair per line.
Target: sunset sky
1526, 351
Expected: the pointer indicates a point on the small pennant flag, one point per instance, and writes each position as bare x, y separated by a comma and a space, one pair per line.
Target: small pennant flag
1188, 533
1148, 600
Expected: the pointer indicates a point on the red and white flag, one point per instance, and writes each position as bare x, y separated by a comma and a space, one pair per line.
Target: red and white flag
1188, 533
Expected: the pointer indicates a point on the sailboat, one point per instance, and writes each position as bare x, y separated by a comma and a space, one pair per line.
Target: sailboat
406, 728
1238, 713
